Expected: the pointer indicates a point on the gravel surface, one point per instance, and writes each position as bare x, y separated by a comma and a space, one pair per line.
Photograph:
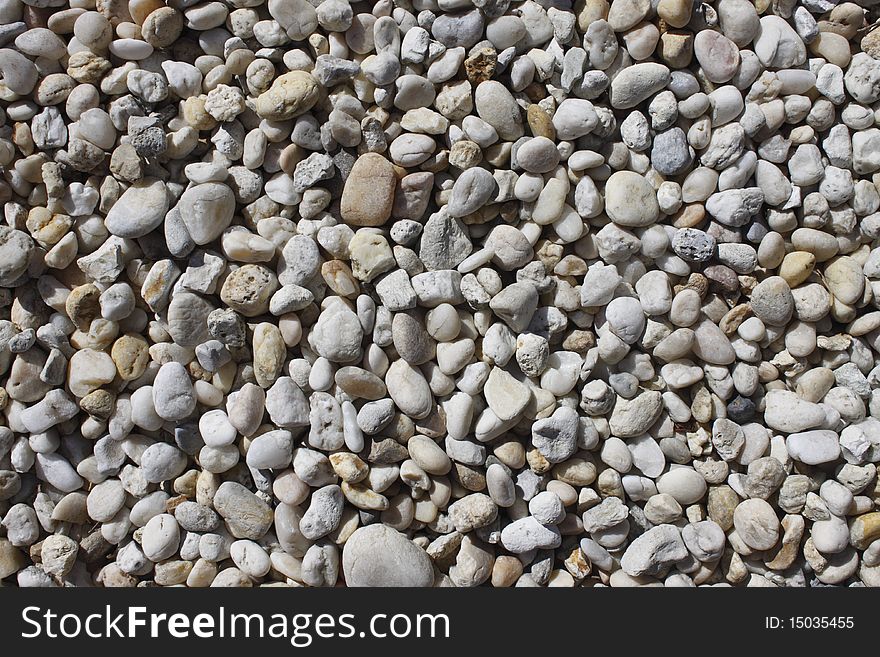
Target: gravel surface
439, 293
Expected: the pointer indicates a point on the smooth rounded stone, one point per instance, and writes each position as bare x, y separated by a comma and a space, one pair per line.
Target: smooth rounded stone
428, 455
840, 567
497, 107
206, 211
574, 118
641, 41
844, 279
528, 534
88, 370
786, 411
161, 537
637, 83
626, 318
756, 524
162, 462
506, 396
830, 536
377, 555
653, 552
472, 190
458, 29
739, 21
633, 417
538, 155
630, 200
19, 73
515, 304
625, 14
273, 450
712, 345
250, 558
139, 210
246, 515
409, 390
772, 302
647, 455
510, 247
547, 508
187, 317
368, 194
173, 395
58, 472
718, 56
684, 484
813, 447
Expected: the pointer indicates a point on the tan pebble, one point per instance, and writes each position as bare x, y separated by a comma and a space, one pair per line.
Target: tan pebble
676, 13
290, 95
796, 267
82, 305
540, 122
368, 195
130, 354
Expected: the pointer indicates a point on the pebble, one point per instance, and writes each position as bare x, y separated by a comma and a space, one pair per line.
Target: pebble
246, 515
633, 417
528, 534
630, 200
654, 551
139, 210
377, 555
813, 447
756, 524
173, 395
368, 195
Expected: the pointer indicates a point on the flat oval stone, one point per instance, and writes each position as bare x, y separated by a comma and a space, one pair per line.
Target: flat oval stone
207, 211
368, 195
139, 210
497, 107
173, 395
718, 56
409, 390
637, 83
813, 447
380, 556
756, 523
